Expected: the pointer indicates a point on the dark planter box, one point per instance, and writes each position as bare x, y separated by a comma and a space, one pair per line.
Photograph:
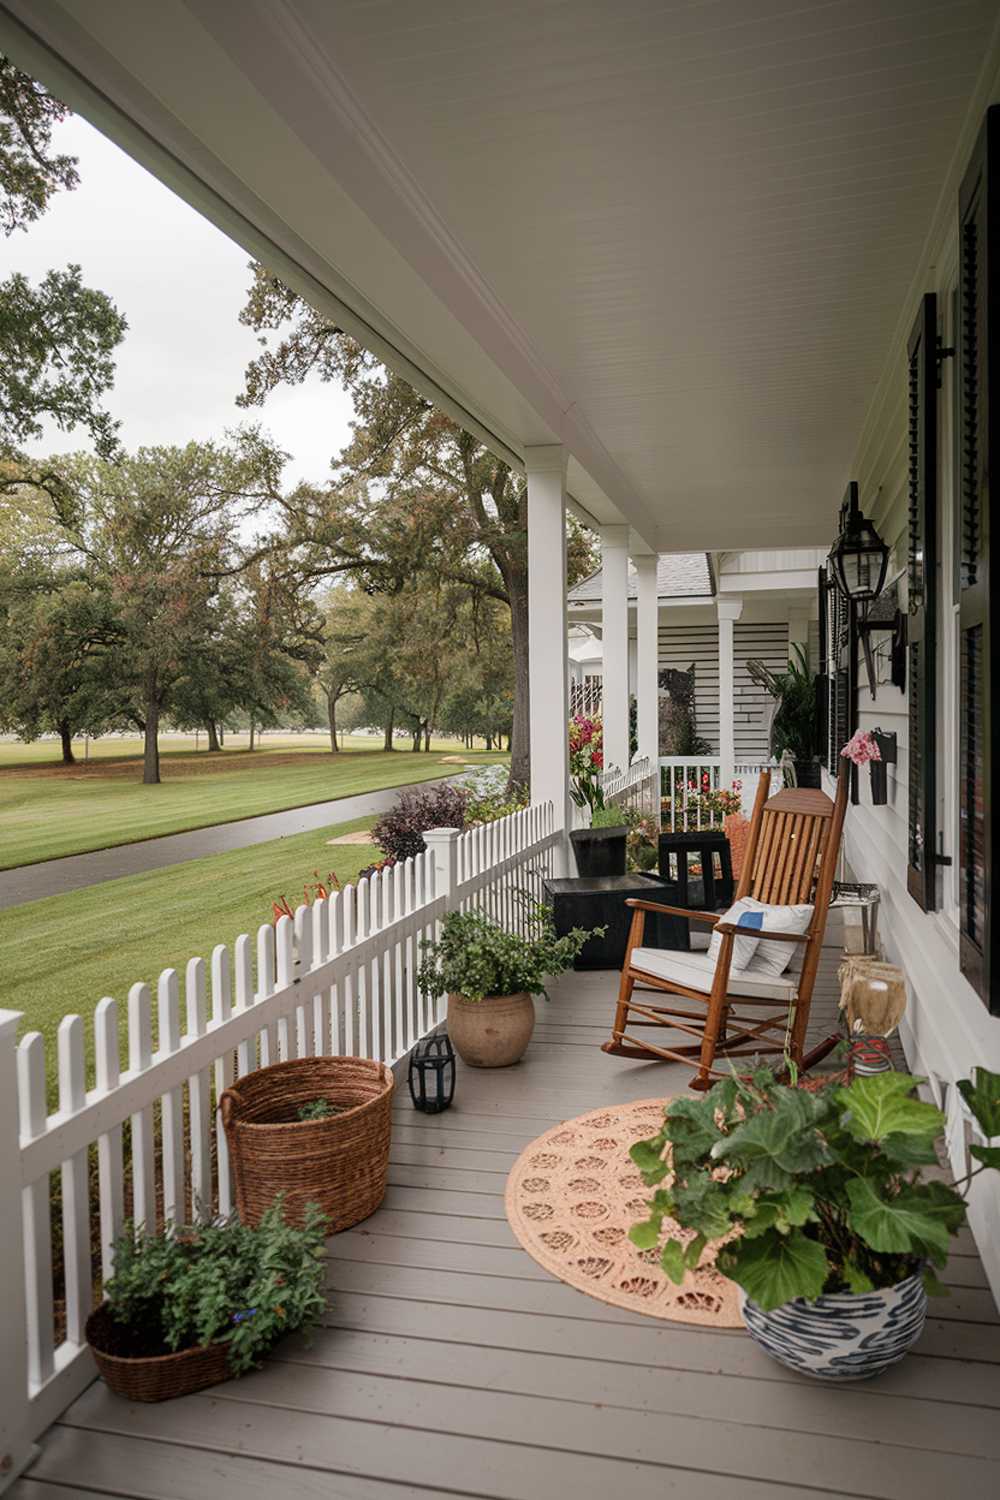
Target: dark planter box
599, 851
598, 901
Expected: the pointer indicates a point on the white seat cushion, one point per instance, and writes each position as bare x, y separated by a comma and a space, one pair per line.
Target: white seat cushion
697, 970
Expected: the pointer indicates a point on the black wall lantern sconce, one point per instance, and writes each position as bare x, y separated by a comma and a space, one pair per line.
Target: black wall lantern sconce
432, 1074
859, 558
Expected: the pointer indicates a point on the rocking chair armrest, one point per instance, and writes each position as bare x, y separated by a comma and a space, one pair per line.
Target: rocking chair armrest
776, 937
711, 917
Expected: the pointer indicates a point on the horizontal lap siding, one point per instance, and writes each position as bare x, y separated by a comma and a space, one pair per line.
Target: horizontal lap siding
769, 644
684, 645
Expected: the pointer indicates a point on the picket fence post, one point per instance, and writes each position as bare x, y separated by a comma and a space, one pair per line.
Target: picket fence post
16, 1447
442, 847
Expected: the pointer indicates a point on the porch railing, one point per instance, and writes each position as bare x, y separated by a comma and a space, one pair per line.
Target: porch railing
637, 788
586, 697
338, 979
685, 779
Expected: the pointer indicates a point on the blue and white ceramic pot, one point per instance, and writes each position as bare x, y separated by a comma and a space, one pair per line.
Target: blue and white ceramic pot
844, 1336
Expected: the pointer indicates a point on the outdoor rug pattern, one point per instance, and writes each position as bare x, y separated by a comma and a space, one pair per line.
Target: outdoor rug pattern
573, 1195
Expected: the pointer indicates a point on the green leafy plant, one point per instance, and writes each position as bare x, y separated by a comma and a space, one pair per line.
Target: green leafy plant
794, 727
315, 1109
819, 1192
607, 817
476, 957
222, 1282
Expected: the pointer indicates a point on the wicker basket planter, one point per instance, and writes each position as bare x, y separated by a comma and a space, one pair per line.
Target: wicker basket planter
154, 1377
339, 1162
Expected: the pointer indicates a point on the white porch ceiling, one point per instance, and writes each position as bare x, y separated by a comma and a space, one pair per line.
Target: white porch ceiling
675, 236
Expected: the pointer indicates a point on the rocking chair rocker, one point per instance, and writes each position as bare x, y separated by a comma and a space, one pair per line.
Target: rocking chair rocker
791, 857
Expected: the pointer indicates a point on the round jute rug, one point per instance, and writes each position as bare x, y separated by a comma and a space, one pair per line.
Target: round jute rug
573, 1195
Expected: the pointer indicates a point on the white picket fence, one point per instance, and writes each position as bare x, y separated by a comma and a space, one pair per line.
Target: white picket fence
338, 980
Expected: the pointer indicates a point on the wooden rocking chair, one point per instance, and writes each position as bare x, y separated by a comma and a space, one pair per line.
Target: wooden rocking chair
791, 857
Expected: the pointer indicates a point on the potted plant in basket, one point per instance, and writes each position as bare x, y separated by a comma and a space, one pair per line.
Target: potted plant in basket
489, 976
192, 1306
825, 1220
599, 849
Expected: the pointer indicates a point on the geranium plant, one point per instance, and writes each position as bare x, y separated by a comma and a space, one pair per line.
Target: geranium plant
861, 748
475, 957
811, 1192
222, 1282
586, 761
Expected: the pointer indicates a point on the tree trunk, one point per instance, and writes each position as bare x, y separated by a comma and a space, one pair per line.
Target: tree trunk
213, 735
65, 735
427, 737
389, 727
415, 733
331, 718
251, 734
151, 745
520, 741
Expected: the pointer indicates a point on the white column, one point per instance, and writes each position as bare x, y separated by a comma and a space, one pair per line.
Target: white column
614, 620
548, 678
729, 610
647, 691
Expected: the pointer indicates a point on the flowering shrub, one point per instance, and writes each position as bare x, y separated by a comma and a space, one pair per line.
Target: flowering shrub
489, 795
861, 748
586, 761
399, 832
642, 846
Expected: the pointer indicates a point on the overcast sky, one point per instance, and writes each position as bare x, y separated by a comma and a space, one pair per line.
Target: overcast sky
180, 283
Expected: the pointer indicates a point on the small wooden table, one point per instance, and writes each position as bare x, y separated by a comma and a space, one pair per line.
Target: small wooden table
707, 845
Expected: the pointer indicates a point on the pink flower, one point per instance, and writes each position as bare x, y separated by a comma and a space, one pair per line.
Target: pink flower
861, 748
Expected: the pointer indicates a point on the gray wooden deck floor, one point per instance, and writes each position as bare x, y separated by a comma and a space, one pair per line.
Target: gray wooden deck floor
450, 1362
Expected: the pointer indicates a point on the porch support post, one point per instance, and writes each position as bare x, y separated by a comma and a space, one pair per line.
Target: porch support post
729, 609
614, 620
647, 657
548, 676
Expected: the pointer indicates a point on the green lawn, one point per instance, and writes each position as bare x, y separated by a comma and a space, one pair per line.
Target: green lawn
46, 752
45, 814
61, 955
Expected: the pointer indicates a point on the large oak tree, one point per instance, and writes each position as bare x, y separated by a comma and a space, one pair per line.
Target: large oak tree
412, 494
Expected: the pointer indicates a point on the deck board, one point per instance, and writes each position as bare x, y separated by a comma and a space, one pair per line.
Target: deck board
450, 1362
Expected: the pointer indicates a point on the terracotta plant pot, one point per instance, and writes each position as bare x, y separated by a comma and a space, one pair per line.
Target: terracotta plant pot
491, 1033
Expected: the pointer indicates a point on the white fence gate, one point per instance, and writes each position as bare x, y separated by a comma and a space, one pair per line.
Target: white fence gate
340, 980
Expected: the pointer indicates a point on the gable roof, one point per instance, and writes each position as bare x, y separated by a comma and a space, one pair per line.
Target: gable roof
679, 575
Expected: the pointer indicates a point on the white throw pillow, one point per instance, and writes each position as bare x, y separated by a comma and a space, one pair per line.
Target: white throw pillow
745, 914
774, 958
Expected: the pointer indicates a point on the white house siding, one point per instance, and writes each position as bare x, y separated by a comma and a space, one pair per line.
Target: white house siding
948, 1030
682, 646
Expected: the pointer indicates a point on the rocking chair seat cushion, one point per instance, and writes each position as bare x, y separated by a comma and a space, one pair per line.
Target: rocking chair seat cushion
697, 970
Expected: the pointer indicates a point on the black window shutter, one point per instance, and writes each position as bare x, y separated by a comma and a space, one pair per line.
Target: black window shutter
823, 679
922, 579
978, 437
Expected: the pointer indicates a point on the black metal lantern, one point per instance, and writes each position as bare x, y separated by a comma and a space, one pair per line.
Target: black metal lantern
859, 558
432, 1074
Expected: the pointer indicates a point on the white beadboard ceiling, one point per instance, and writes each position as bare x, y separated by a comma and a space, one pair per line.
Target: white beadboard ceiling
677, 237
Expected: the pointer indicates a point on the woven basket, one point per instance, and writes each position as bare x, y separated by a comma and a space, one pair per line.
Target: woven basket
156, 1377
339, 1162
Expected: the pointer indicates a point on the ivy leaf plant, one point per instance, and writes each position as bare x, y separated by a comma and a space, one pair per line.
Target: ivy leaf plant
808, 1192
